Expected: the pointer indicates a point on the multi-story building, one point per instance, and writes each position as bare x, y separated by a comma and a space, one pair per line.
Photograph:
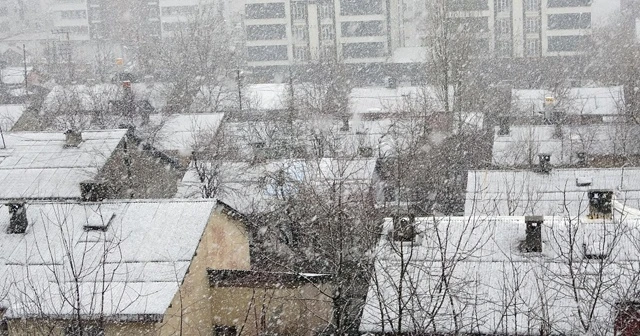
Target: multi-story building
288, 32
528, 28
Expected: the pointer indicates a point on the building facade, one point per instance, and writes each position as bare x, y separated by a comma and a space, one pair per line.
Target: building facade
288, 32
528, 28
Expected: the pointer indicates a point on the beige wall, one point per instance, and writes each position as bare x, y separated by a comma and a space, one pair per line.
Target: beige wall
224, 245
287, 311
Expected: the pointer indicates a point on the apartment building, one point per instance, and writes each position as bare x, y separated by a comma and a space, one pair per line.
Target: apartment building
528, 28
288, 32
21, 16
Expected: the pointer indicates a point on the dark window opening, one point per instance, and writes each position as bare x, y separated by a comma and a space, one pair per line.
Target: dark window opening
569, 3
569, 21
361, 7
265, 11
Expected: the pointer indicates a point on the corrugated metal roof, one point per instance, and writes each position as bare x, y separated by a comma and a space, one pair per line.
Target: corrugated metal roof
38, 165
494, 288
145, 252
524, 143
523, 192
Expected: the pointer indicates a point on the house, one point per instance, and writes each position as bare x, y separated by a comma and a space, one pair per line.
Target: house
594, 104
595, 145
89, 165
258, 187
181, 134
478, 275
559, 192
142, 267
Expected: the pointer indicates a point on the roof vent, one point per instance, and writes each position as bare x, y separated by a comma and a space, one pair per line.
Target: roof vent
404, 228
544, 163
72, 138
18, 222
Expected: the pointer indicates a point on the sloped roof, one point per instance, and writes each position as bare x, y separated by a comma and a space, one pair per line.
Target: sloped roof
526, 142
491, 286
385, 100
184, 132
590, 101
38, 165
251, 188
142, 256
13, 75
9, 115
523, 192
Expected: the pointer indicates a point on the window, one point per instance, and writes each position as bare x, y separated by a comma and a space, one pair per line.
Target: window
532, 5
266, 32
533, 239
327, 32
571, 43
570, 21
503, 48
267, 53
362, 28
73, 14
532, 25
265, 11
404, 229
300, 33
569, 3
363, 50
503, 26
325, 10
225, 331
327, 51
300, 54
178, 10
532, 48
298, 11
468, 24
361, 7
600, 206
503, 6
467, 5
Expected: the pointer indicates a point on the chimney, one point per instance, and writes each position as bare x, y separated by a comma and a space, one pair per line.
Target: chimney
545, 163
72, 138
18, 222
504, 126
345, 124
533, 239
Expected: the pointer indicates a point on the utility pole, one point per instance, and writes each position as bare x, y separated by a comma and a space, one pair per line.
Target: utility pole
239, 83
26, 72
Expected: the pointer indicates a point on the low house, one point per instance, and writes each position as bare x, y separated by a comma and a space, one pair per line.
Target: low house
257, 188
480, 275
596, 145
573, 105
559, 192
89, 165
144, 267
181, 134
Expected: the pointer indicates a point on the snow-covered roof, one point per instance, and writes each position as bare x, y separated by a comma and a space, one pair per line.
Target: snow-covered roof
561, 192
77, 98
251, 188
38, 165
185, 132
327, 133
143, 255
409, 55
523, 143
13, 75
9, 115
590, 101
471, 275
385, 100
